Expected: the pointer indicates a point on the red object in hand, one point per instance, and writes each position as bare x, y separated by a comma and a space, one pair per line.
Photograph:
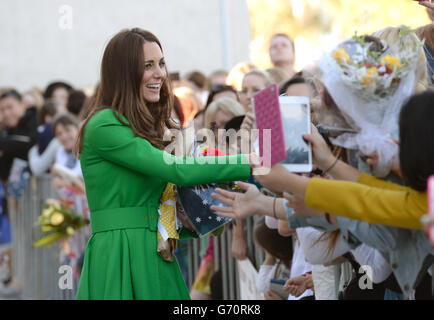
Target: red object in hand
214, 152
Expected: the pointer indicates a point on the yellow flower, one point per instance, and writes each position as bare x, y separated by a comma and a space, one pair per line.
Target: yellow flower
70, 231
56, 219
51, 202
47, 212
391, 62
369, 78
341, 55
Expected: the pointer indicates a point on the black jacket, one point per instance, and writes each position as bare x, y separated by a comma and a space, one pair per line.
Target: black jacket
16, 142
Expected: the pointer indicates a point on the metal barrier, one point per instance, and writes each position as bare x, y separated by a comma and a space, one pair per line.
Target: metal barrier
37, 270
223, 259
228, 265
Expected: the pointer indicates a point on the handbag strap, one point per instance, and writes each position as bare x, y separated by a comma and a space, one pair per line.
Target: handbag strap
354, 264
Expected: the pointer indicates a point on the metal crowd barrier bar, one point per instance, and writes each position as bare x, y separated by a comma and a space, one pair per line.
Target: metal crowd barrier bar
223, 259
228, 265
36, 269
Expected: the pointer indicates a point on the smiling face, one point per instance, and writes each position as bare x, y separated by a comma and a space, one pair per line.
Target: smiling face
154, 73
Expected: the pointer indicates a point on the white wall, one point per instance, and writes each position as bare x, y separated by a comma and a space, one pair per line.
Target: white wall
37, 47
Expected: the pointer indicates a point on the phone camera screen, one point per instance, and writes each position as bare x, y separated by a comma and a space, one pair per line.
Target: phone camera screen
295, 120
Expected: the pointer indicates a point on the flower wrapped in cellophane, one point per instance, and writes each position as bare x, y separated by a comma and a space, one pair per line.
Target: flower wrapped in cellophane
369, 82
58, 221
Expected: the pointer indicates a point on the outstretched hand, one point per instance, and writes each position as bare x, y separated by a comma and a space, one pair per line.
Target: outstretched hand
240, 205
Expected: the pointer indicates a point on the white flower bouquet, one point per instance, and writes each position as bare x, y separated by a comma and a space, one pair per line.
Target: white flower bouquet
369, 83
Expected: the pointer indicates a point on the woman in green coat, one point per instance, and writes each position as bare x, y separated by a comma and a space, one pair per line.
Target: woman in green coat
125, 171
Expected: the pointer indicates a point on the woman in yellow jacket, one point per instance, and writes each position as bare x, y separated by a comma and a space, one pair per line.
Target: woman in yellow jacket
361, 196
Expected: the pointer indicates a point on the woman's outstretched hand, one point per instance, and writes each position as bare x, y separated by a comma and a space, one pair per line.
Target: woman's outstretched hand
240, 205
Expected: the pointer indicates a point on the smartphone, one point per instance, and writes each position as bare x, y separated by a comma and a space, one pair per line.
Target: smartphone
295, 112
430, 197
276, 285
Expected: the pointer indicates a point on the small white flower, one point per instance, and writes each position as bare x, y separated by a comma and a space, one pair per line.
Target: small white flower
210, 217
219, 219
204, 202
198, 220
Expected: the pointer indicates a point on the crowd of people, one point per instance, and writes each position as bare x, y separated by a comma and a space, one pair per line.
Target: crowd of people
353, 228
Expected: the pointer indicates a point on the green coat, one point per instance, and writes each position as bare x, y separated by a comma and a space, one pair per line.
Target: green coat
124, 177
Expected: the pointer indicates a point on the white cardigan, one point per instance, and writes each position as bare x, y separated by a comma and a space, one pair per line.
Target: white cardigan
40, 163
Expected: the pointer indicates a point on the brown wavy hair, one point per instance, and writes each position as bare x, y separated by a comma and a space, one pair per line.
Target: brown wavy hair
271, 241
122, 68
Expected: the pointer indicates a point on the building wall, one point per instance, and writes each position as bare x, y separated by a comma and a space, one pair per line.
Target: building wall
47, 40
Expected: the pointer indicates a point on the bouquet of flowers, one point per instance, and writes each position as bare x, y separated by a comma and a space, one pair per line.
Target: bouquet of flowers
58, 221
369, 82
